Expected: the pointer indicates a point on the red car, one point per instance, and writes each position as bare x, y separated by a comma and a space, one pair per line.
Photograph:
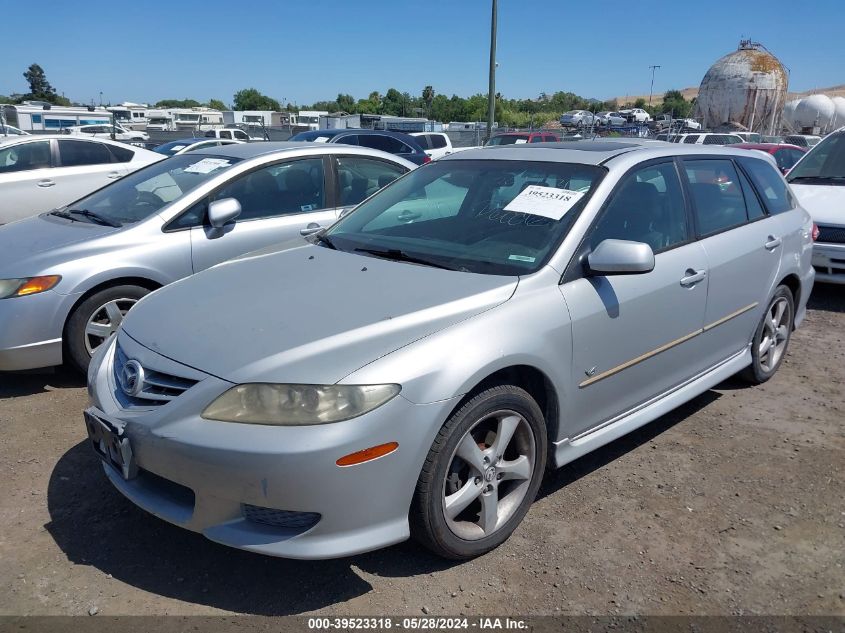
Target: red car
785, 155
515, 138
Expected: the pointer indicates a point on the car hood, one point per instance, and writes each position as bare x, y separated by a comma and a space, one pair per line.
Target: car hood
27, 244
824, 203
305, 315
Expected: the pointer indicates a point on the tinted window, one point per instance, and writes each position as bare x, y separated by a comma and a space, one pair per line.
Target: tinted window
716, 194
384, 143
74, 153
436, 141
360, 177
691, 138
537, 139
349, 139
648, 206
121, 154
825, 164
25, 156
507, 139
721, 139
241, 135
752, 202
770, 184
282, 189
225, 134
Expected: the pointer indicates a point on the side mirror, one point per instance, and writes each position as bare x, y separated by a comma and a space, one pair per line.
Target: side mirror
621, 257
221, 212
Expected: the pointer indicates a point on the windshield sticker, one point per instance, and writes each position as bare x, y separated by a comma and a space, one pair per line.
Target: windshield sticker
547, 202
207, 165
522, 258
176, 148
520, 141
321, 139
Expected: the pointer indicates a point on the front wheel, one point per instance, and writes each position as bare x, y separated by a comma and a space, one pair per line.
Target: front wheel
481, 475
771, 337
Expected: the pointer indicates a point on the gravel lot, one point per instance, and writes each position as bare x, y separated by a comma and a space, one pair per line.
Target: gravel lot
732, 504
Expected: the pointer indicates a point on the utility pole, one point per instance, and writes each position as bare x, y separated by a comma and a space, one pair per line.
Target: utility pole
491, 95
651, 90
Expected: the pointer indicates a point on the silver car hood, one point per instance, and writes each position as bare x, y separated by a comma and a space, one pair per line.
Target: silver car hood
28, 244
824, 203
305, 315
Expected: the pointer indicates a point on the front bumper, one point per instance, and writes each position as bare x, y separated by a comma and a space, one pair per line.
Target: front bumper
204, 475
31, 331
829, 262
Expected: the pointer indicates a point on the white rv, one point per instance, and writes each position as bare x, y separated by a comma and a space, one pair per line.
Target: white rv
311, 118
197, 119
37, 116
160, 120
132, 116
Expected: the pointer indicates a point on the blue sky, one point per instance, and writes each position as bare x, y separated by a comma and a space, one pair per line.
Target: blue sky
306, 50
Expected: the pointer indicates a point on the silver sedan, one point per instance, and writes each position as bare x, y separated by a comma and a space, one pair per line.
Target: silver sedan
413, 369
68, 277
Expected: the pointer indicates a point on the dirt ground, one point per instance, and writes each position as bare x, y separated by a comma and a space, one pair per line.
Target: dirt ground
732, 504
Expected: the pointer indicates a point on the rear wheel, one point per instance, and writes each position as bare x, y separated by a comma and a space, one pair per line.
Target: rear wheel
96, 319
771, 338
481, 475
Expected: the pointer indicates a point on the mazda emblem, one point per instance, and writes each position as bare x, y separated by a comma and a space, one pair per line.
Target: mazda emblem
131, 378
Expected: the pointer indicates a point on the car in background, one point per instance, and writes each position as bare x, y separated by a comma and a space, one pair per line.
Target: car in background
577, 118
607, 118
749, 137
106, 131
185, 145
686, 124
818, 181
399, 378
785, 155
230, 134
397, 143
636, 115
435, 144
43, 171
772, 139
707, 138
68, 277
518, 138
11, 130
802, 140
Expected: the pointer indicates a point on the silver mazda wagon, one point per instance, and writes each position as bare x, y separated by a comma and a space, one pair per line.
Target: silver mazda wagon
414, 369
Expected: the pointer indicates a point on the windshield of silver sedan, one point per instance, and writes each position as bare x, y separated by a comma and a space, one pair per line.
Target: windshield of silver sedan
142, 193
494, 217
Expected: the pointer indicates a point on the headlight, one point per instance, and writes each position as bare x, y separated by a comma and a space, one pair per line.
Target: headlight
26, 286
297, 405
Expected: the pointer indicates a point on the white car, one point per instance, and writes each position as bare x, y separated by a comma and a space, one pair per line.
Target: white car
707, 138
11, 130
105, 131
174, 148
636, 115
231, 133
818, 181
43, 172
610, 118
435, 144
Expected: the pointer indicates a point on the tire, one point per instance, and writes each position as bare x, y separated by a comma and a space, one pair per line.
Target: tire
81, 340
767, 357
507, 481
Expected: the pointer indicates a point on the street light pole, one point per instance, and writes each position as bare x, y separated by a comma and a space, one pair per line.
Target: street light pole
651, 90
491, 95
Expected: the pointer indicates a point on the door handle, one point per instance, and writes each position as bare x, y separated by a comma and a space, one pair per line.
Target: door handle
312, 228
114, 175
46, 183
773, 243
693, 277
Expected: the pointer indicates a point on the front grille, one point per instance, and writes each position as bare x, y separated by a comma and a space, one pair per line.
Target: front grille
280, 518
831, 234
156, 388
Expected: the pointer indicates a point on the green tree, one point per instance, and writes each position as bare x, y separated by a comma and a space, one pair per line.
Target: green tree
178, 103
346, 103
674, 103
428, 96
216, 104
251, 99
40, 89
640, 103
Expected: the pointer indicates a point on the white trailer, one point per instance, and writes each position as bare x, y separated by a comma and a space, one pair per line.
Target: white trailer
35, 116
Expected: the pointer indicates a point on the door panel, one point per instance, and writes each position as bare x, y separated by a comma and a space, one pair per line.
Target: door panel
26, 180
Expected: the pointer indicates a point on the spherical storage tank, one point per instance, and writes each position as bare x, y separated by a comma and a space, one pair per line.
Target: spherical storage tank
838, 113
745, 89
814, 111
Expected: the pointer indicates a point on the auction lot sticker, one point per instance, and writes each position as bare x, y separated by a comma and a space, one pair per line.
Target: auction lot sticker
548, 202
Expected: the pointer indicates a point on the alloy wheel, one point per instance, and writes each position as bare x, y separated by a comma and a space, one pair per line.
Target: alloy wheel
775, 334
104, 322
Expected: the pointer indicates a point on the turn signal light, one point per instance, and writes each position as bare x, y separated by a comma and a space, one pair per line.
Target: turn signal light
37, 284
815, 232
368, 454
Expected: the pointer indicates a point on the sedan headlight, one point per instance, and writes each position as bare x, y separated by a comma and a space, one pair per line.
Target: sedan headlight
297, 405
27, 286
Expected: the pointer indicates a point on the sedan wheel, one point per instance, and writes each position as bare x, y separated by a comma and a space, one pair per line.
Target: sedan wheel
105, 321
481, 475
771, 338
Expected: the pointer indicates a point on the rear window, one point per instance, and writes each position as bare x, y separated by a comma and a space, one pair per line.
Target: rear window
121, 154
436, 141
75, 153
770, 184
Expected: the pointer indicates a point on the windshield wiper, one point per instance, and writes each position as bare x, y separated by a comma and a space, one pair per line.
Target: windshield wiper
96, 217
65, 215
797, 178
324, 239
401, 256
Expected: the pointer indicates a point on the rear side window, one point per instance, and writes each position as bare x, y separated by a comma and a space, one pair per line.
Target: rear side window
360, 177
225, 134
691, 138
752, 203
384, 143
240, 135
716, 194
121, 154
25, 156
770, 184
436, 141
75, 153
537, 139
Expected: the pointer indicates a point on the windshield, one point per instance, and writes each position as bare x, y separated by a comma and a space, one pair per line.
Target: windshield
139, 195
824, 163
484, 216
507, 139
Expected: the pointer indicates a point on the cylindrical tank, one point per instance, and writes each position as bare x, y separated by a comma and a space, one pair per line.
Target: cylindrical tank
746, 89
838, 113
789, 114
814, 111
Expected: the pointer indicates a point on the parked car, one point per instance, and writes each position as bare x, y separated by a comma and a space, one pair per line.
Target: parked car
11, 130
435, 144
398, 143
818, 181
785, 155
231, 133
749, 137
114, 132
577, 118
99, 255
42, 172
686, 124
636, 115
186, 145
418, 374
802, 140
518, 138
707, 138
609, 118
772, 139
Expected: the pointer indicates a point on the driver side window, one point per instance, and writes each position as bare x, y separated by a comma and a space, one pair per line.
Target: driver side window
647, 206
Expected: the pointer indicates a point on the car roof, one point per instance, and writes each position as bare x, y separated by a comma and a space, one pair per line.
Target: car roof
61, 137
767, 146
261, 148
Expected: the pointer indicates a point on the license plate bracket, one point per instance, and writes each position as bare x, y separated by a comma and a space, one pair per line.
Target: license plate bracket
111, 444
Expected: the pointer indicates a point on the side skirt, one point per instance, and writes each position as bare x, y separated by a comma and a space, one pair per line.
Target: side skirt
568, 450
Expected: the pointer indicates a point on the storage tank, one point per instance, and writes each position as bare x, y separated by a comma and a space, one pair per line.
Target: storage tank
838, 113
745, 89
814, 111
